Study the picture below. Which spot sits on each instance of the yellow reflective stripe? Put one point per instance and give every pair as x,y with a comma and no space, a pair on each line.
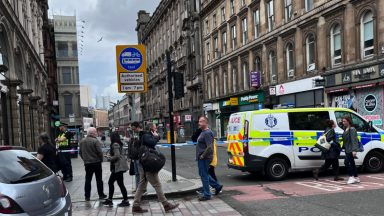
260,142
260,134
382,137
304,138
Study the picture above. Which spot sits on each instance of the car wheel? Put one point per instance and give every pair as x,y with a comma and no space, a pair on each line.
374,162
276,169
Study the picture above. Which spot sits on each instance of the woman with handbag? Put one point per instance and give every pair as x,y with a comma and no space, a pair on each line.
119,165
351,146
331,156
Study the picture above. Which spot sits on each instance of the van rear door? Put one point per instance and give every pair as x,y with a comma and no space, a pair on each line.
235,138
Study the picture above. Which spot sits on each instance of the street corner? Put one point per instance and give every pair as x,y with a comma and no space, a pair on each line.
303,188
186,206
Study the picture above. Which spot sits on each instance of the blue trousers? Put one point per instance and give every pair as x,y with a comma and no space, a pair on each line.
206,179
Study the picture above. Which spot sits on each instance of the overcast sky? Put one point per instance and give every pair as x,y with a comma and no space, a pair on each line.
112,20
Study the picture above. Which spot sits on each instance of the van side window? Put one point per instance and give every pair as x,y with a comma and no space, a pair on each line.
308,120
358,123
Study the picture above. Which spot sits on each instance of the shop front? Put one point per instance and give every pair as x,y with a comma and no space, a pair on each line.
252,101
300,93
361,90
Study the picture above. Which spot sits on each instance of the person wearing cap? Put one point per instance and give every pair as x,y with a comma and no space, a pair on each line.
63,142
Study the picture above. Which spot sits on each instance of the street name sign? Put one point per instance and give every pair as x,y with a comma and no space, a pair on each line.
131,68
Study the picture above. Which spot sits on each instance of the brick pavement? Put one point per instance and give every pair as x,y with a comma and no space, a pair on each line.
186,208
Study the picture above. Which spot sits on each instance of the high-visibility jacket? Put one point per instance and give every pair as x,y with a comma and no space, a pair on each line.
64,143
214,160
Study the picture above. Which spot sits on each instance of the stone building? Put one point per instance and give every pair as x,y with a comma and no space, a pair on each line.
268,53
173,27
68,70
23,98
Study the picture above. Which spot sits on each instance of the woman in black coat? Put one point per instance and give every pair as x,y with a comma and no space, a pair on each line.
331,157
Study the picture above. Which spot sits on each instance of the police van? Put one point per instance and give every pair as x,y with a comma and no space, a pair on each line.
276,142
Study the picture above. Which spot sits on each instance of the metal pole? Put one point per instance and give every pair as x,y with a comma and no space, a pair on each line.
170,105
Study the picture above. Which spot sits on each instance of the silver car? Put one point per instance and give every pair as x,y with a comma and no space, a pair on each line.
28,187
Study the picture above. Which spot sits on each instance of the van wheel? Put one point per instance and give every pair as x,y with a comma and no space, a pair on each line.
374,162
276,169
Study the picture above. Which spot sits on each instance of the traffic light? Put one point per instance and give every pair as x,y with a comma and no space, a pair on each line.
178,80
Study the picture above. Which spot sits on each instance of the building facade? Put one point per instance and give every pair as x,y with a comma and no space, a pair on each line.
24,101
103,102
173,27
269,53
68,70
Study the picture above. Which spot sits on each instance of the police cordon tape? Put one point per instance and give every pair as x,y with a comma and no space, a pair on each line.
218,142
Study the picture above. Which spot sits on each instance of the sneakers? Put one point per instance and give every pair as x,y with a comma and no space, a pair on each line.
352,180
168,207
108,202
69,179
203,199
102,197
124,203
218,190
357,179
87,199
138,209
199,192
337,178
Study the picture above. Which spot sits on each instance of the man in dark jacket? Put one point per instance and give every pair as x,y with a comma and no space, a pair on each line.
148,139
92,155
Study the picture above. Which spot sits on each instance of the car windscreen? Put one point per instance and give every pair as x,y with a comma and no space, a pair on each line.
19,166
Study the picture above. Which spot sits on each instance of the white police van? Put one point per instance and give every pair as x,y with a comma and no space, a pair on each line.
276,142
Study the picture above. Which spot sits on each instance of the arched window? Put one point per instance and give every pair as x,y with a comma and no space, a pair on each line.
257,63
310,47
367,35
336,44
225,79
245,70
290,60
272,67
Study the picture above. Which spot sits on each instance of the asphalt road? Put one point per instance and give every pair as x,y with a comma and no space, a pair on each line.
254,195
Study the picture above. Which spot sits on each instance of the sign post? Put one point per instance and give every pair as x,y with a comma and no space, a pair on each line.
131,68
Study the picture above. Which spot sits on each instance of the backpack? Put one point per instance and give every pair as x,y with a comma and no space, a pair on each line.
152,160
135,149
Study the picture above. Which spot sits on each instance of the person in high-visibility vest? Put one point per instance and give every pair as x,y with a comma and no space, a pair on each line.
63,142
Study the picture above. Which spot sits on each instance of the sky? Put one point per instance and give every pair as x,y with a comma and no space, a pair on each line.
112,20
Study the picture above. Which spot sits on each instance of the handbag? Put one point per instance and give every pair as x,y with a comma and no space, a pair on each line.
322,143
132,168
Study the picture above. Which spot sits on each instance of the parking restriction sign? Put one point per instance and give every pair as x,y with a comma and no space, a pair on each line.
131,68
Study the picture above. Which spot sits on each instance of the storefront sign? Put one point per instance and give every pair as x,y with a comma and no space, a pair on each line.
255,79
272,90
347,78
207,107
364,73
297,86
225,103
188,118
375,119
253,98
370,103
343,101
234,101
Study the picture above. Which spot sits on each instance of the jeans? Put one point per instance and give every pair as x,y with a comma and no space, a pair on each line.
206,179
350,164
137,173
212,173
66,164
90,169
331,162
119,177
153,179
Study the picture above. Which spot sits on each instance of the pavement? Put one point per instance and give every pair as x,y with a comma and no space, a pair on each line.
76,187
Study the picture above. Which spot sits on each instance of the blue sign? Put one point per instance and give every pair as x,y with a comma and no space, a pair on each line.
131,59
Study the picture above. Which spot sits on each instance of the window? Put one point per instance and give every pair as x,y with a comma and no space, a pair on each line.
20,167
67,75
310,52
289,59
242,2
256,22
224,42
232,5
209,87
208,52
68,105
367,35
272,67
360,124
271,17
62,49
336,44
215,47
305,120
245,75
234,77
288,10
222,14
214,20
244,28
225,75
206,27
217,85
308,5
257,64
233,37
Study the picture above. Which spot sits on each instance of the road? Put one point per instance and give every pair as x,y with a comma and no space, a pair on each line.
299,194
